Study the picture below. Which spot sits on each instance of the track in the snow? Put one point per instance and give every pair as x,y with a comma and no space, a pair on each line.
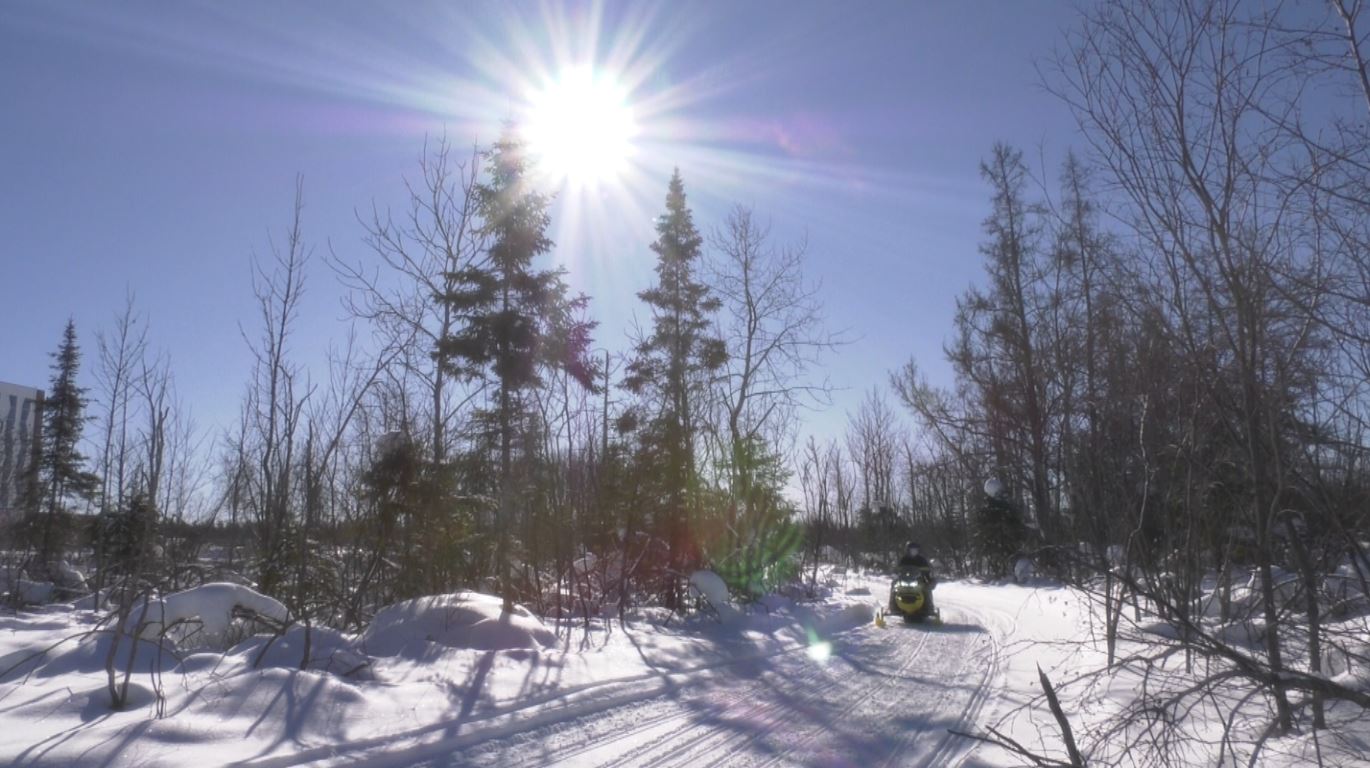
885,697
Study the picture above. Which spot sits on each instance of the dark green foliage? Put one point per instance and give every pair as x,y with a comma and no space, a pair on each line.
126,537
883,533
765,557
760,541
997,534
680,344
515,319
669,369
418,523
61,465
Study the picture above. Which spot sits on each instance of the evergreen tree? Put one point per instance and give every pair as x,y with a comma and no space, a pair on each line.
126,537
418,523
60,466
516,318
755,553
670,368
997,533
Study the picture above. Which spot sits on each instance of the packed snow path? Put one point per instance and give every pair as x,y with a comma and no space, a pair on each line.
883,697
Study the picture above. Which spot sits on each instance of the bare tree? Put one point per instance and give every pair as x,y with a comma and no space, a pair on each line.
772,324
273,409
121,358
420,256
1171,96
874,437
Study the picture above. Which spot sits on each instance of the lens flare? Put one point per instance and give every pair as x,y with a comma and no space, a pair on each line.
581,127
820,651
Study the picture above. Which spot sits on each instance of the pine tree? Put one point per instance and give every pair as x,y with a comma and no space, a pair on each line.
127,536
516,318
60,466
670,367
755,553
419,523
997,533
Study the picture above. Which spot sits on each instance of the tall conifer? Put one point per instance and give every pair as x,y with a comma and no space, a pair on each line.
670,368
516,318
61,464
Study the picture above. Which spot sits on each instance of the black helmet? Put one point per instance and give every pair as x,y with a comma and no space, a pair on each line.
911,547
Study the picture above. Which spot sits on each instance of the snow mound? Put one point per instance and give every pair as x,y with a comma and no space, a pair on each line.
69,577
1345,661
460,620
852,615
710,587
1345,586
1246,600
212,605
34,592
48,655
329,651
95,601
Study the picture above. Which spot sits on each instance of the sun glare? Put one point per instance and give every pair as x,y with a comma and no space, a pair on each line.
581,127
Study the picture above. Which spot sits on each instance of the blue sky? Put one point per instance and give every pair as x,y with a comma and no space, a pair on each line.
152,147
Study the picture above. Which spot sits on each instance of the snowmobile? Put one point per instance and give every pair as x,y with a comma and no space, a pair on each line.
911,598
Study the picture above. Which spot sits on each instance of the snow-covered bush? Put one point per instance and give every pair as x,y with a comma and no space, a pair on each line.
709,588
62,580
588,586
34,592
69,577
1245,599
1344,589
203,615
460,620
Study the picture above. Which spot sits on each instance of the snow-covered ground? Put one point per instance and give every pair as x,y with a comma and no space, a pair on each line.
450,681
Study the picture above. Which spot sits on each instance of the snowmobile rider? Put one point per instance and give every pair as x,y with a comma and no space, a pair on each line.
914,564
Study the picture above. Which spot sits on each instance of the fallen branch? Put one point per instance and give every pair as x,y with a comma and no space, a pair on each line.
1066,735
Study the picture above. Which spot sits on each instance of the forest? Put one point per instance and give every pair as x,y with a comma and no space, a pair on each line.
1161,388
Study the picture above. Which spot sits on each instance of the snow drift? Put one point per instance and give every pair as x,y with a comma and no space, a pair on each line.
709,587
461,620
213,606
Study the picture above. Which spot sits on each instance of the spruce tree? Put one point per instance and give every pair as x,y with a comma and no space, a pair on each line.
127,536
997,534
61,464
516,318
670,368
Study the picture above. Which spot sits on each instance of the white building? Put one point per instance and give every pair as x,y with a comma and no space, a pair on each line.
20,431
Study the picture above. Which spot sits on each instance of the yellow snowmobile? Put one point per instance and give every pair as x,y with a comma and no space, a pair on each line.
911,598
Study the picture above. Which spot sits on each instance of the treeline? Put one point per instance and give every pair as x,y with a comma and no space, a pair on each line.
470,433
1167,367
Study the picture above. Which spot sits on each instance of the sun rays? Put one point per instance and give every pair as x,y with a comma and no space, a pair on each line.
580,127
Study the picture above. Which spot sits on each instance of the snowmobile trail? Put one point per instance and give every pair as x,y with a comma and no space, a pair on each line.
883,697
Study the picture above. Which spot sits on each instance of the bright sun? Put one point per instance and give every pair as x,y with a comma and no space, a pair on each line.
581,128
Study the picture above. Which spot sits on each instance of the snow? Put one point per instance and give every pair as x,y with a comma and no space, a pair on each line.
212,605
299,647
70,577
35,592
452,680
709,587
463,620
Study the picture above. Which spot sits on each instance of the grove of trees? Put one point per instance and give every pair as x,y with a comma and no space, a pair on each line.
1165,369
